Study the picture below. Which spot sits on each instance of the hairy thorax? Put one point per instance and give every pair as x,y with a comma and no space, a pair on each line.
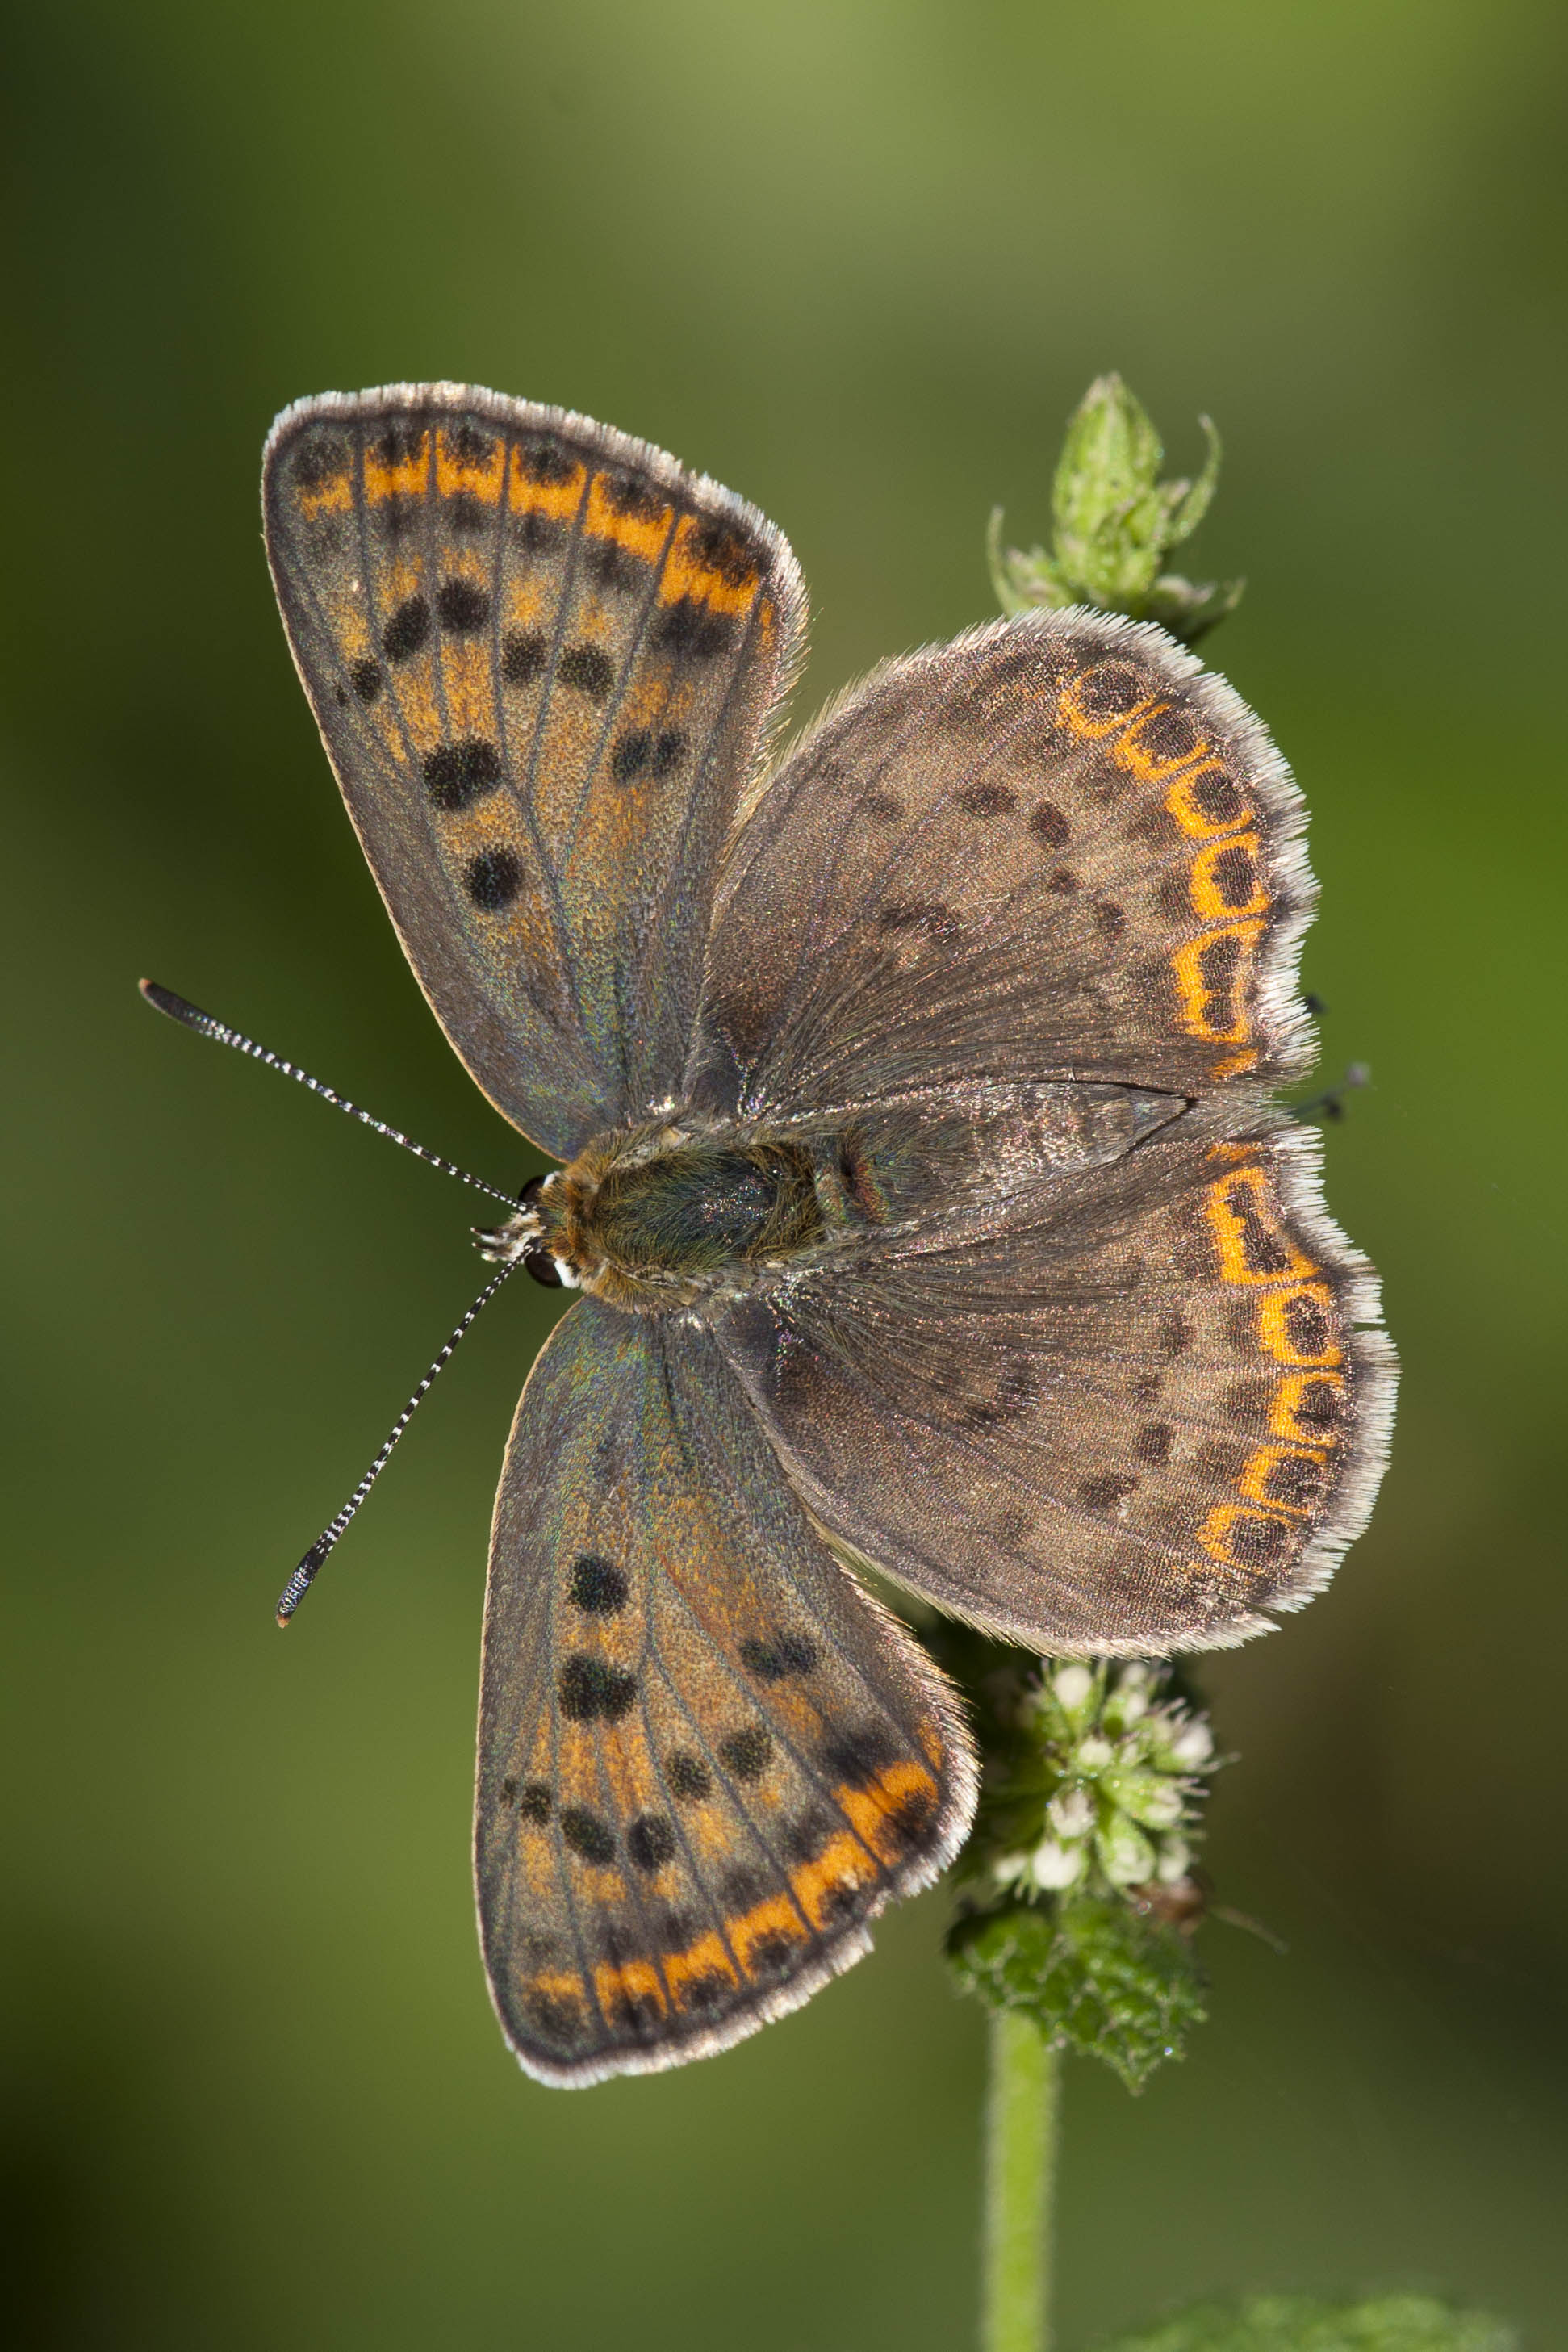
684,1207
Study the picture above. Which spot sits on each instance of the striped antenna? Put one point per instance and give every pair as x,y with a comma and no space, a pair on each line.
190,1016
304,1576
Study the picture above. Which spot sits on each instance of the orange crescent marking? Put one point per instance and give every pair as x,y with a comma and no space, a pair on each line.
634,1979
1284,1414
1206,899
1274,1332
1148,768
842,1859
1180,804
643,535
483,481
1196,994
705,1957
1253,1478
1215,1532
869,1809
526,497
1229,1225
334,496
1076,720
689,572
392,481
776,1916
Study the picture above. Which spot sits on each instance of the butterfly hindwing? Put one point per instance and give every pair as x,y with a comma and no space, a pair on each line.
1054,848
541,655
1135,1411
706,1757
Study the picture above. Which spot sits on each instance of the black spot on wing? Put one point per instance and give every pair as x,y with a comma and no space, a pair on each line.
1173,1335
746,1753
987,799
398,445
771,1662
470,444
589,1688
651,1840
366,677
629,495
466,515
587,1834
1105,1489
407,629
320,459
493,879
462,607
859,1752
522,657
591,671
688,1777
614,568
597,1585
643,752
692,631
457,775
545,462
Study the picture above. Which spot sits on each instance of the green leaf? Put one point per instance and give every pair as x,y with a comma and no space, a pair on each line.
1094,1976
1395,2322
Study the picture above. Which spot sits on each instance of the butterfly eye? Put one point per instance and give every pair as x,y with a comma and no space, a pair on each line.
536,1261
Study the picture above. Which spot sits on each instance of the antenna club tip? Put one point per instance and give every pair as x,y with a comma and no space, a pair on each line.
177,1008
283,1619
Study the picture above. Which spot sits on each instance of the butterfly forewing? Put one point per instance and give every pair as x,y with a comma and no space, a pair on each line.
541,655
705,1757
1054,848
1135,1414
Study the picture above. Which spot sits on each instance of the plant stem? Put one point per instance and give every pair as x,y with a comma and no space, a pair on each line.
1021,2109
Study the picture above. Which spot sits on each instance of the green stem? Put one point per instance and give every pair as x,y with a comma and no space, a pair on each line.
1021,2110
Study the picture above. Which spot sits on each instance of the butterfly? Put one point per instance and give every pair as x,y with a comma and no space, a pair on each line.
920,1176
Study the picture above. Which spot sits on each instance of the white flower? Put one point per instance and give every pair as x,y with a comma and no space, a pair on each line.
1159,1805
1070,1687
1174,1862
1094,1753
1127,1855
1070,1812
1192,1744
1011,1869
1056,1865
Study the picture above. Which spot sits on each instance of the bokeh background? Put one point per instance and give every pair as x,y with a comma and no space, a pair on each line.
858,259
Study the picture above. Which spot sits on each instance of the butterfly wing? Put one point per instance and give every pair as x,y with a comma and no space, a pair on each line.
1054,848
706,1757
541,655
1137,1411
1020,918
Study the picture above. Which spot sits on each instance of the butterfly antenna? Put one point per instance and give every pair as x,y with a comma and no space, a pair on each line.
304,1576
190,1016
1331,1104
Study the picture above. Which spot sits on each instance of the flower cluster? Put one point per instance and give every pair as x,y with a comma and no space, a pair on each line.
1103,1786
1077,1901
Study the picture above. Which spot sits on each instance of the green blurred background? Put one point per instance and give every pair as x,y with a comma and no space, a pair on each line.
858,259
